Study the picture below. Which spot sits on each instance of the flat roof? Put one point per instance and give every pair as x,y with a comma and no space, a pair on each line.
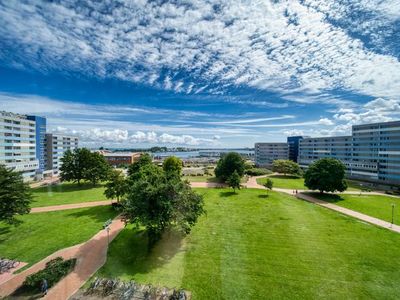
121,154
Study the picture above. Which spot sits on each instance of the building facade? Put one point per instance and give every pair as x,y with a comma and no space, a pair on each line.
56,146
266,153
18,144
119,158
312,149
294,143
376,152
40,136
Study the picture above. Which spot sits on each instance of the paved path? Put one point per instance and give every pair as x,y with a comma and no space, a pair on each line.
70,206
44,182
90,255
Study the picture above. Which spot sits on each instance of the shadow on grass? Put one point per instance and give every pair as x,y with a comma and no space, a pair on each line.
97,213
227,194
66,187
264,196
285,177
129,255
332,198
24,292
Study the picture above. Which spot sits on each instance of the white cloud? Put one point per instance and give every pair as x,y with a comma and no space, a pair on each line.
325,121
293,132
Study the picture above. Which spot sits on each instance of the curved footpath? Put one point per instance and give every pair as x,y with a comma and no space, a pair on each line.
90,256
70,206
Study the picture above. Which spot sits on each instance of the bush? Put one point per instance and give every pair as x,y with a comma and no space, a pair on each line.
54,271
257,171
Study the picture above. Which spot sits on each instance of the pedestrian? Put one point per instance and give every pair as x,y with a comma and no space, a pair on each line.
44,287
296,192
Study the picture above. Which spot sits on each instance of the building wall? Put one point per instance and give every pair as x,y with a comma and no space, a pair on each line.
312,149
56,145
376,152
117,159
294,143
266,153
40,123
18,144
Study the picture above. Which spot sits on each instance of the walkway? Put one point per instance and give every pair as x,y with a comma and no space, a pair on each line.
90,255
70,206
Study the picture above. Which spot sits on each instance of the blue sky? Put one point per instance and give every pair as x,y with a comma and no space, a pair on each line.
200,73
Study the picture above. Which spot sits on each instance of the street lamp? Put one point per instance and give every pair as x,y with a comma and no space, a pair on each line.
106,226
392,214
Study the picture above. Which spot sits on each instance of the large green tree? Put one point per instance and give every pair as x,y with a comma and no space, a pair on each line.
326,175
172,166
228,164
285,166
158,202
15,195
116,186
133,169
96,168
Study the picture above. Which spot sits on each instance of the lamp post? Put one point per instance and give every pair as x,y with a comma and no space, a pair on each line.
106,227
392,214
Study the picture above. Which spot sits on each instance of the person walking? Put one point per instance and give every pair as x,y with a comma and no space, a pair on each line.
44,287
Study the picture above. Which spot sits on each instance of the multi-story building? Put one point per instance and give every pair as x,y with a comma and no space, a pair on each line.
266,153
119,158
376,152
294,142
18,144
312,149
56,146
40,135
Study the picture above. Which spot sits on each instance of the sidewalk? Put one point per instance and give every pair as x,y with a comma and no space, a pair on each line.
70,206
90,255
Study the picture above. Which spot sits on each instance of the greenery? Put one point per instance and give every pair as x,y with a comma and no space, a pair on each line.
66,193
54,271
144,159
41,234
116,186
269,184
15,196
326,175
234,181
159,201
202,178
257,171
172,166
229,163
81,164
246,247
285,166
378,206
285,182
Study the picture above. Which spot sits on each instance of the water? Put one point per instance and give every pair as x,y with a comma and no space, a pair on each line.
196,154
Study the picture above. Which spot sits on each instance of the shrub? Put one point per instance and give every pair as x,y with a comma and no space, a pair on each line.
54,271
257,171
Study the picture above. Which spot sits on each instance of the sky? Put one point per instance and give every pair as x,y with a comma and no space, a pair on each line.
206,74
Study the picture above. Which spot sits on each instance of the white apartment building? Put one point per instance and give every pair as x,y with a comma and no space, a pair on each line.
56,145
266,153
18,144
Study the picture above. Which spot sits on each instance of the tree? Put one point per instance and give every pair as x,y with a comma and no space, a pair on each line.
96,168
285,166
234,181
326,175
116,186
172,166
15,195
144,159
269,184
158,202
228,164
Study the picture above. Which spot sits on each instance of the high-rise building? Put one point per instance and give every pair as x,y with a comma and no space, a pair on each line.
376,152
56,145
40,135
266,153
312,149
18,144
293,142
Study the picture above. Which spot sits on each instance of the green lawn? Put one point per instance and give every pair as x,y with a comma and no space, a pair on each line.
296,183
285,182
378,206
67,193
203,178
41,234
250,246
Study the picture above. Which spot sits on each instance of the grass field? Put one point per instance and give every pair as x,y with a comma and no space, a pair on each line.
293,182
203,178
249,246
67,193
41,234
373,205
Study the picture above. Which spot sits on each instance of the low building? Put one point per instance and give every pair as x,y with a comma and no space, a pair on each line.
266,153
120,158
18,144
56,146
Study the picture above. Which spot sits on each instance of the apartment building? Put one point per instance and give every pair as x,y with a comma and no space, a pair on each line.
312,149
56,146
18,144
266,153
294,143
376,152
120,158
